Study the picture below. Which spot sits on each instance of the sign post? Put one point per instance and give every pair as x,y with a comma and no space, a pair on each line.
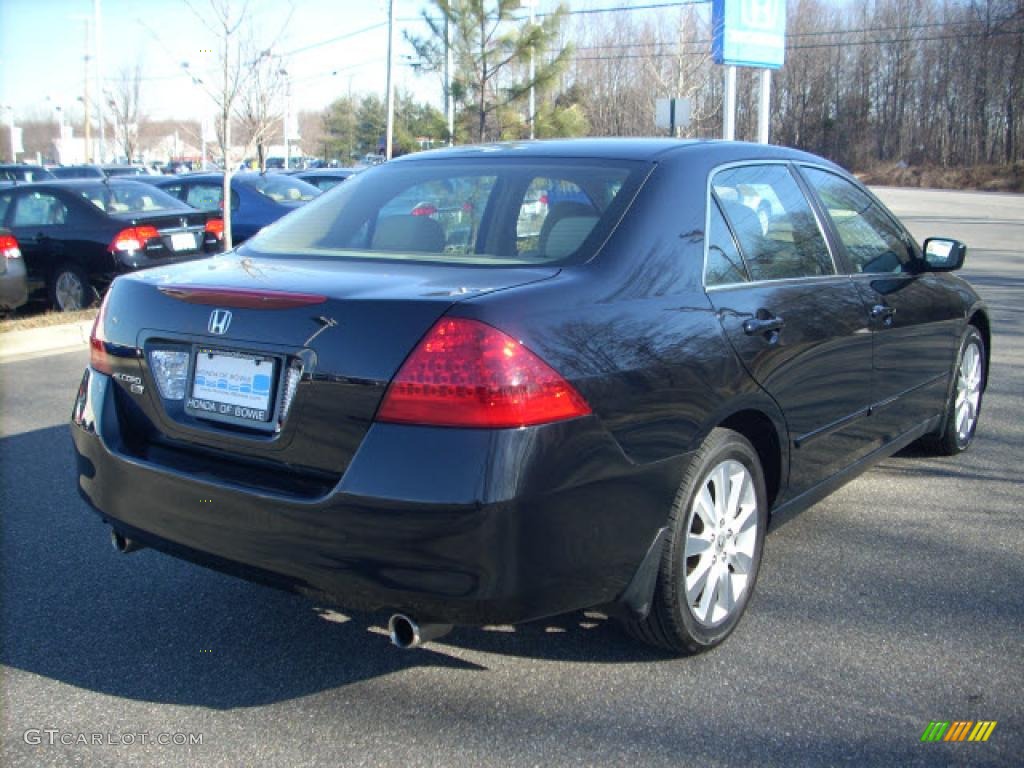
748,33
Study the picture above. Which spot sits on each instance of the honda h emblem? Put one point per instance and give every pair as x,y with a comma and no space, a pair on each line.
220,319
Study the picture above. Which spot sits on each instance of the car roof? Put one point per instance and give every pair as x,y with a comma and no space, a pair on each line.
649,149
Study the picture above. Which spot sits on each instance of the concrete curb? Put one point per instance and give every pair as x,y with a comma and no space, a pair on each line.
39,342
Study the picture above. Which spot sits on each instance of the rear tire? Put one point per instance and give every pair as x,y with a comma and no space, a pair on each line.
70,288
711,560
963,406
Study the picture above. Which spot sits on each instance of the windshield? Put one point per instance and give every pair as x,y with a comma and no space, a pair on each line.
128,198
480,210
282,189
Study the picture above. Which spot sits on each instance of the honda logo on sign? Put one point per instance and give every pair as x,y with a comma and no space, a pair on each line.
220,319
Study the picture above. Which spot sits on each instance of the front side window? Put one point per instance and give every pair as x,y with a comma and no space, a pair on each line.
480,210
872,241
773,222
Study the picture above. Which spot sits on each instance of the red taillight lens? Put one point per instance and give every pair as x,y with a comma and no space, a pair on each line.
215,227
9,247
99,359
465,373
424,210
133,238
543,199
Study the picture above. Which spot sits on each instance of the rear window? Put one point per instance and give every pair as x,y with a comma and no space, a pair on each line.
128,198
283,189
471,211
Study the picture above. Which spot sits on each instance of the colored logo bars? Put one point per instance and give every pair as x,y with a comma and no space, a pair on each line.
958,730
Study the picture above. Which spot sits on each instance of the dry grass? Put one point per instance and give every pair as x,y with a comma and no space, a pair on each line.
45,320
988,178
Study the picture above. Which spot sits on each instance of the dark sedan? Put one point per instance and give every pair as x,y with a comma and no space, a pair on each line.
78,172
257,199
452,416
21,172
76,236
325,178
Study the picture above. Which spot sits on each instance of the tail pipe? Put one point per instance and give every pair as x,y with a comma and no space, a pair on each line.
406,633
122,544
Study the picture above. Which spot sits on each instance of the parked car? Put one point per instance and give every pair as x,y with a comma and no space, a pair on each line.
13,284
324,178
22,172
256,199
78,172
125,170
501,428
76,235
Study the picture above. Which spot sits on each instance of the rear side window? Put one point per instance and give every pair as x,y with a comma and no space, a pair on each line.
773,222
206,197
39,209
478,210
283,189
724,265
873,242
128,197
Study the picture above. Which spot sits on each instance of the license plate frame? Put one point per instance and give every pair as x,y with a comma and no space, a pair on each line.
237,401
183,241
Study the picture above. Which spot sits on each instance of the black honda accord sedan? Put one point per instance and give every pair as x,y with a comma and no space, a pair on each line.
498,383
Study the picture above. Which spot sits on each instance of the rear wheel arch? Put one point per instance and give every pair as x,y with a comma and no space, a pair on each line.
762,432
979,319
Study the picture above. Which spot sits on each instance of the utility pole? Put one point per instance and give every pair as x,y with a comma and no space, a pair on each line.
98,30
729,107
764,108
85,99
287,117
533,74
391,85
449,100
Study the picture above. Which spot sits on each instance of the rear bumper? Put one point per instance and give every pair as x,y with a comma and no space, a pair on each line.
458,526
13,285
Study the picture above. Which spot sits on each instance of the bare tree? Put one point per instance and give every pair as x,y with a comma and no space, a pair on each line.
260,107
124,101
238,59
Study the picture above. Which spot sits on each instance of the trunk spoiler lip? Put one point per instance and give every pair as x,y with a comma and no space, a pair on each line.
241,298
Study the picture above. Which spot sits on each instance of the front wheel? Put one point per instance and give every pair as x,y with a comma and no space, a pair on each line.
713,554
960,418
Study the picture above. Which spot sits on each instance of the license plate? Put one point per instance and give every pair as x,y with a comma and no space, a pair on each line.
232,386
183,241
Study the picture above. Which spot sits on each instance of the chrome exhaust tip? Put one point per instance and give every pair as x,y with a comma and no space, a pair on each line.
124,545
407,634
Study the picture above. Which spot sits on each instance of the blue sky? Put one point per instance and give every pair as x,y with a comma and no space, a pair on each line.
42,45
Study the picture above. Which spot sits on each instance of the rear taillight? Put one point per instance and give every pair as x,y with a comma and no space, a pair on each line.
465,373
9,247
424,210
215,227
133,238
99,358
543,200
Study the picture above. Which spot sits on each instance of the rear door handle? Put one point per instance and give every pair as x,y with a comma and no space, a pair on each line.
755,325
883,313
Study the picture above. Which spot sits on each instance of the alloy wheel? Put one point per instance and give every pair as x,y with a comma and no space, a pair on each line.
968,391
720,542
69,291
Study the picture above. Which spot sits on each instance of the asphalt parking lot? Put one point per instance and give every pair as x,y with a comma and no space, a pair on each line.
896,601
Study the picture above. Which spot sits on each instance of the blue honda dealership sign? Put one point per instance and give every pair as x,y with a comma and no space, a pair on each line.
749,33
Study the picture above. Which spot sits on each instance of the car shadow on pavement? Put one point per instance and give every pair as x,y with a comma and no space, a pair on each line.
147,626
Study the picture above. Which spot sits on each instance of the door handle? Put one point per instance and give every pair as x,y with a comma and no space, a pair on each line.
883,313
755,325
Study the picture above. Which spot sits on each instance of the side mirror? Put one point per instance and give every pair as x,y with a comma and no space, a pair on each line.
942,254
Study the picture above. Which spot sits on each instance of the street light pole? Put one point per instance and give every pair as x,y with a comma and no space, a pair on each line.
391,84
98,31
449,100
533,75
287,117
